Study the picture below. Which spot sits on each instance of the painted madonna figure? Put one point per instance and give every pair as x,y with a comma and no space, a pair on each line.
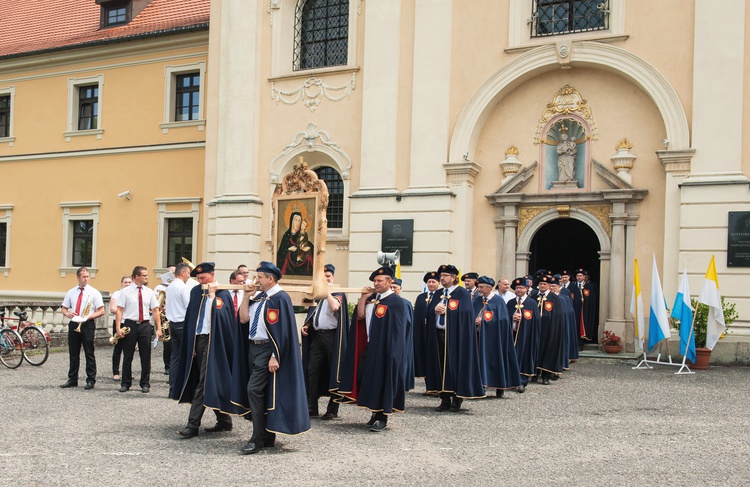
295,254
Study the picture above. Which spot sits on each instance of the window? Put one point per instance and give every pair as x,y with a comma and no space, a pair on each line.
83,242
183,96
115,16
335,211
187,100
178,231
85,107
321,33
179,239
550,17
88,105
115,12
5,224
79,237
3,242
5,116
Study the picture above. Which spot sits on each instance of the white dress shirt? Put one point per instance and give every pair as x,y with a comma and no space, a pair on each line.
129,302
178,297
261,333
91,296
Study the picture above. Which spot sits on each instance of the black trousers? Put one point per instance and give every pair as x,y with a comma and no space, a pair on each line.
196,407
140,333
445,396
175,331
75,341
116,354
258,356
321,356
167,355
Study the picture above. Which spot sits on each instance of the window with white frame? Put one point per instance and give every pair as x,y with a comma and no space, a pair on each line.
335,185
7,102
178,230
85,107
79,239
5,221
184,95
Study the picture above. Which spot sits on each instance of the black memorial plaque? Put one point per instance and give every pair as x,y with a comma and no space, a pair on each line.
738,239
399,235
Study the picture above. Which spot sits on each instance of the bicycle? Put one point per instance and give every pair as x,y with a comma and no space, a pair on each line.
11,346
34,340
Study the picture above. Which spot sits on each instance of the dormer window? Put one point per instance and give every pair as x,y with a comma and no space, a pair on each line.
115,12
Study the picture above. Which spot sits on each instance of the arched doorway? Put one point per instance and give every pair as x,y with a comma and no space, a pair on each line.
565,243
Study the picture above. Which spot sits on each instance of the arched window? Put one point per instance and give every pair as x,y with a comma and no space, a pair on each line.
335,212
321,33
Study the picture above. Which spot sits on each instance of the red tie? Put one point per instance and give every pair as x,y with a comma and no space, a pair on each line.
235,303
140,305
78,303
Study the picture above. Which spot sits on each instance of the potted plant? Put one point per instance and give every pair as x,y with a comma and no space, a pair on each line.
611,342
702,353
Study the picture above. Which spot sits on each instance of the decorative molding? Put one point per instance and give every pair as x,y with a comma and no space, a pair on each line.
676,161
312,91
566,101
612,179
601,213
310,140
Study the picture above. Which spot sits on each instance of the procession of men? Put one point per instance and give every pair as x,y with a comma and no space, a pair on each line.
236,349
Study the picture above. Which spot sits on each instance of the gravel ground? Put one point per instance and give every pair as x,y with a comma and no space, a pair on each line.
602,424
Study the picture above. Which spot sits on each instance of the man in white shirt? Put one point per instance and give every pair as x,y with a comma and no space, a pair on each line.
178,297
237,294
503,290
136,302
82,305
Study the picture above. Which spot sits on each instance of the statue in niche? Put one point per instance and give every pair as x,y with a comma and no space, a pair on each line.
566,157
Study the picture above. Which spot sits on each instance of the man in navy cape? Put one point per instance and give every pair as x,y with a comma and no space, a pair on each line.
324,337
571,328
587,306
452,356
206,357
372,372
396,287
551,341
497,354
424,308
271,384
524,314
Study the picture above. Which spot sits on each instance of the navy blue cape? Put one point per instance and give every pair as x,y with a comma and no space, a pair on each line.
497,354
526,335
330,380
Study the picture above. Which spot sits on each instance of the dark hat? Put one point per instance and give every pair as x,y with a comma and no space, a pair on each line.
329,268
565,272
528,277
541,272
201,268
582,271
397,281
554,280
383,271
486,280
448,269
431,275
544,278
470,275
519,281
269,268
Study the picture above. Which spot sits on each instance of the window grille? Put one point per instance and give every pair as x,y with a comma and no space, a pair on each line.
321,33
335,211
552,17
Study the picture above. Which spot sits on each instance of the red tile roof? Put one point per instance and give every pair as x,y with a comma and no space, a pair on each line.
28,26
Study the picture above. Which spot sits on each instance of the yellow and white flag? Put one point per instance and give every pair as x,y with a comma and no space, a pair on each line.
710,297
636,308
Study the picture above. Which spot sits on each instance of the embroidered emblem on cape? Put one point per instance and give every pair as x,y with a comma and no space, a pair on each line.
380,310
272,316
488,315
586,292
453,304
527,314
548,305
219,303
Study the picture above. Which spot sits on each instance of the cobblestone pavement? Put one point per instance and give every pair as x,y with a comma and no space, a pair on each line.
602,424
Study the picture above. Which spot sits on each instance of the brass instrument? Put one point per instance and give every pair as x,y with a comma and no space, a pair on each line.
114,339
189,264
162,299
84,313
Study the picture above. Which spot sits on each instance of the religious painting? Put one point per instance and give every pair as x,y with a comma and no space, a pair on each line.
295,238
565,147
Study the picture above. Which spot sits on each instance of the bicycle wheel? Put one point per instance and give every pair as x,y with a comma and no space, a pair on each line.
11,348
35,345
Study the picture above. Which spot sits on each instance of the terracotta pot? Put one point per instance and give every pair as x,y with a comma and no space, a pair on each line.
612,348
702,356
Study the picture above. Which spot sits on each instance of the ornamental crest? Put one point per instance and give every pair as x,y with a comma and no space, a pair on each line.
566,101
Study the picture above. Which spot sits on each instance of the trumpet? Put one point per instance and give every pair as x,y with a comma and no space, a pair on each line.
85,313
165,335
114,339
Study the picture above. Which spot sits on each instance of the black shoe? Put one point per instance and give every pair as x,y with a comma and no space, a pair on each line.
89,385
70,383
220,426
188,432
553,377
124,388
521,389
545,381
329,415
145,389
444,406
456,406
378,426
251,447
373,418
499,393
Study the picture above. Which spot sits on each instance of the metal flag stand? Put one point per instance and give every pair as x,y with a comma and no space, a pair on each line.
684,369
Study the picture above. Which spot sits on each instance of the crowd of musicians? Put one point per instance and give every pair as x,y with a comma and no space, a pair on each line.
237,351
